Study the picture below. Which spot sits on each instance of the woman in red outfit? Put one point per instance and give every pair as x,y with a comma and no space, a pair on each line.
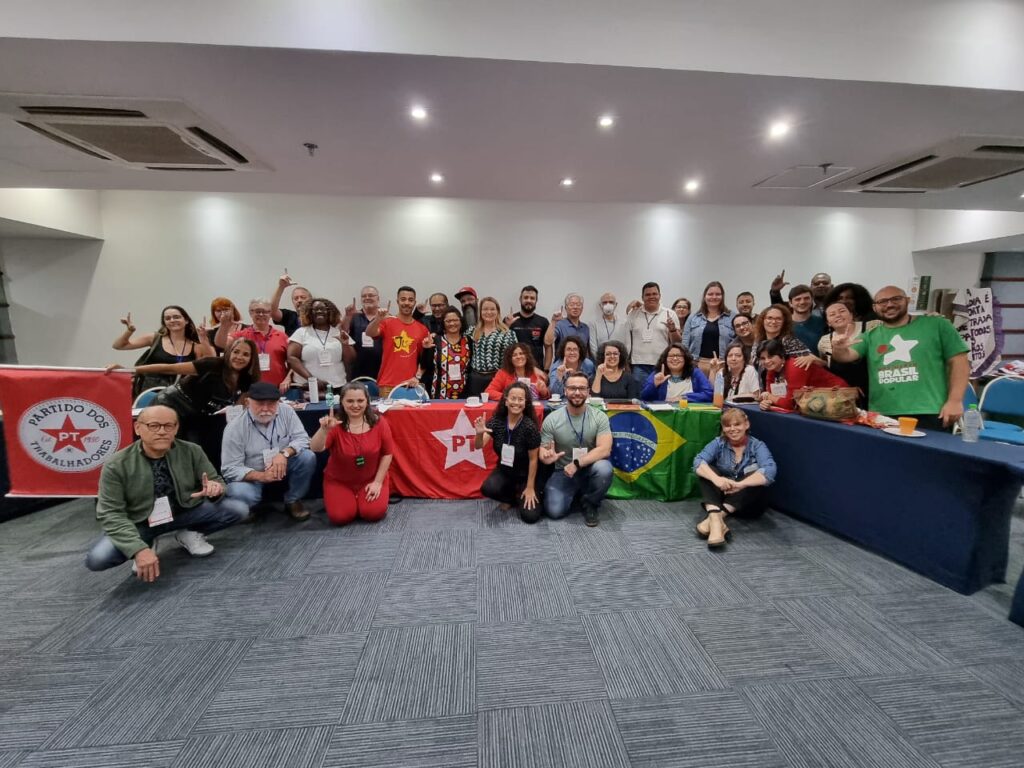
360,446
784,377
519,365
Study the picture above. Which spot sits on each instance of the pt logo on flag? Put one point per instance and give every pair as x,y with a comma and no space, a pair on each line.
460,443
67,434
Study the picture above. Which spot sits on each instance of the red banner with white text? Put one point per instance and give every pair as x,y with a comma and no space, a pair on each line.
61,425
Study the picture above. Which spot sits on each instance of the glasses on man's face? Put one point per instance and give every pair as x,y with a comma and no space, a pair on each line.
742,324
890,300
259,311
576,389
156,426
438,306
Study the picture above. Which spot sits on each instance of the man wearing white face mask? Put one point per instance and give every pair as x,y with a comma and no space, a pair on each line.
608,326
649,328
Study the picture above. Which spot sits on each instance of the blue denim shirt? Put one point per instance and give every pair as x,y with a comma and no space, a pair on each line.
694,330
719,456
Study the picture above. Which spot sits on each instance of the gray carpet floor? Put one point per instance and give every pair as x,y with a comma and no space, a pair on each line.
453,635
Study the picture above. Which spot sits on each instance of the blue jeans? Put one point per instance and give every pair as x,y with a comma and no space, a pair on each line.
641,373
208,517
296,482
590,482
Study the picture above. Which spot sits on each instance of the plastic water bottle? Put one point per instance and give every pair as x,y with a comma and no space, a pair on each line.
971,425
329,398
719,397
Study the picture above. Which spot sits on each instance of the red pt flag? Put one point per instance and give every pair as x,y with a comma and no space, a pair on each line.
61,425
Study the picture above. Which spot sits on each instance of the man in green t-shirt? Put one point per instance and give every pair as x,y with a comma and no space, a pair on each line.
917,366
578,441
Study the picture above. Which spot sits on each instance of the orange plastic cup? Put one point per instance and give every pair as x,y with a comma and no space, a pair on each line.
907,425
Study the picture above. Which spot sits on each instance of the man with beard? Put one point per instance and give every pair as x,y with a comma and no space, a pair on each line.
528,326
821,284
917,366
355,323
403,341
267,444
433,317
466,296
577,440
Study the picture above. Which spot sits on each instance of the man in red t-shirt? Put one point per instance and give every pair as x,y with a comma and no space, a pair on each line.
402,342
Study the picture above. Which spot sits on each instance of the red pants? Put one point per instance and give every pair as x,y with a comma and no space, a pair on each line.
344,503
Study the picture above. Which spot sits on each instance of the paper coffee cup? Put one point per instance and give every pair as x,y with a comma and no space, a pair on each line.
484,397
555,397
473,401
907,425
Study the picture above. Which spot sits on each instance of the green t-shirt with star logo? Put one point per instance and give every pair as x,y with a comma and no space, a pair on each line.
907,365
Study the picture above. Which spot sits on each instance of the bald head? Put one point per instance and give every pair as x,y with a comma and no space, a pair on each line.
156,427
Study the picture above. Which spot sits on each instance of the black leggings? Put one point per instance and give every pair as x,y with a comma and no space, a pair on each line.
749,501
507,488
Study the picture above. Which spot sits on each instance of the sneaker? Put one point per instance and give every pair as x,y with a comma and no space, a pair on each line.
194,543
590,515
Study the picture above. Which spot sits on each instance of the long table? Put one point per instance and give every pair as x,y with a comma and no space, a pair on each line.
435,458
938,505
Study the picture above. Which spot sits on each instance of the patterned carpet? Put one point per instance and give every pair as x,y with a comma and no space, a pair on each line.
453,635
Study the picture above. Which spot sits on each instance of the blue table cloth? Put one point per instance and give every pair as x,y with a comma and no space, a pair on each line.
937,505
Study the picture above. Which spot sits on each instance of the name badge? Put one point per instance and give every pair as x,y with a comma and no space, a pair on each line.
508,455
161,514
367,340
750,469
324,356
579,453
778,388
268,457
647,336
454,372
264,361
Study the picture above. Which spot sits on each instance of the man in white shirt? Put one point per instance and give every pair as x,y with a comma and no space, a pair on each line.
606,328
649,329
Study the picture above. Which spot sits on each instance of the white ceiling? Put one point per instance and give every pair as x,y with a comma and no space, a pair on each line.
503,129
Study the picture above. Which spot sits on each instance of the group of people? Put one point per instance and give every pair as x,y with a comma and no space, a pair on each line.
823,336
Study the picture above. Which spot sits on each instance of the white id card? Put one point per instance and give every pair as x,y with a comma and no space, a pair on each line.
647,336
268,457
264,361
454,372
161,514
324,356
778,389
367,340
508,455
579,453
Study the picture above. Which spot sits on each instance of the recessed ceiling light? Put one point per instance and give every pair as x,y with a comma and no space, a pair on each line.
567,181
437,178
606,121
418,112
778,129
692,185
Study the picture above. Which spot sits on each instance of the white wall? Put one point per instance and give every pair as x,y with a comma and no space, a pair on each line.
958,230
950,269
163,248
76,211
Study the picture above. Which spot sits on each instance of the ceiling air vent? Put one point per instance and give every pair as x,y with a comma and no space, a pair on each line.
956,164
141,134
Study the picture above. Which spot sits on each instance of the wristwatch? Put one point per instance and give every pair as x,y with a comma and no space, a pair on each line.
577,463
284,452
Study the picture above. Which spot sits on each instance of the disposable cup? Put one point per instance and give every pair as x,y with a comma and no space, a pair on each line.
484,397
907,425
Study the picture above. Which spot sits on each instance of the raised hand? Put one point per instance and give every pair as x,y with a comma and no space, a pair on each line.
387,310
779,282
329,422
481,426
210,490
201,329
428,342
548,455
127,323
633,306
350,310
557,316
670,322
601,370
661,376
285,280
716,364
843,339
423,308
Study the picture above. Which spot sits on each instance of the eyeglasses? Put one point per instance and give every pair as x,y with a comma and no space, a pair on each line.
576,389
438,306
156,426
259,311
741,324
890,300
675,357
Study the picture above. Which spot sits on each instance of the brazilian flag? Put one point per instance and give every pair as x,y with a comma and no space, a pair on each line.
653,451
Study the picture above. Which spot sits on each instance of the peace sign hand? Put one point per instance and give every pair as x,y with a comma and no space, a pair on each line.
779,282
660,377
127,323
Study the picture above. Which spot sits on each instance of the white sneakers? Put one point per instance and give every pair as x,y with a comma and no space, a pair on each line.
194,543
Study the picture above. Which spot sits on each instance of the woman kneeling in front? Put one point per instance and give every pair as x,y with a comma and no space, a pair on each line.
515,436
732,470
360,446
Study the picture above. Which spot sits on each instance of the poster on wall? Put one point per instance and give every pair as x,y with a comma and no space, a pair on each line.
919,292
976,316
